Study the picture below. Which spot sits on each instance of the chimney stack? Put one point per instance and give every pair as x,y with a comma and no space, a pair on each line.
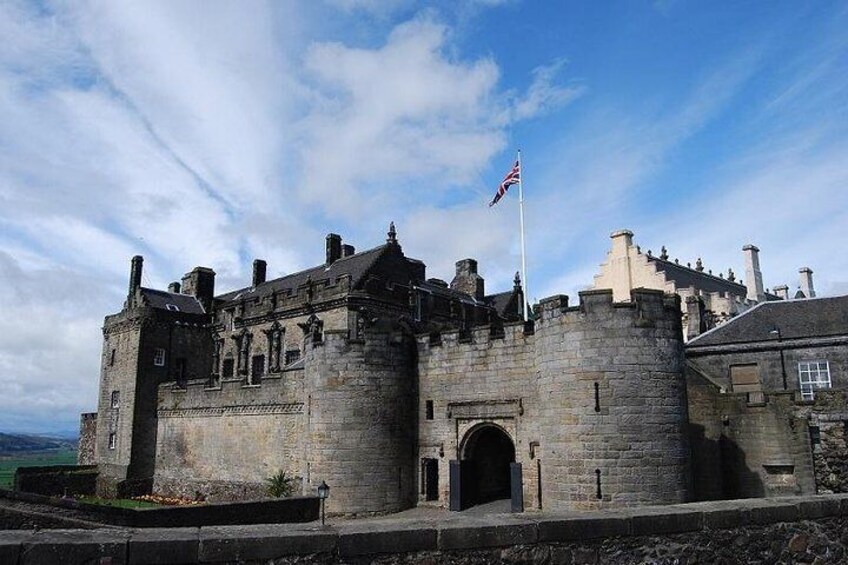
348,250
260,268
807,282
753,274
782,291
467,280
697,319
200,283
174,288
334,248
135,275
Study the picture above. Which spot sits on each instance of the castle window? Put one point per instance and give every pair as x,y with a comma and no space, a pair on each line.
429,409
172,307
228,368
159,357
745,378
112,440
112,358
257,369
292,355
115,400
813,375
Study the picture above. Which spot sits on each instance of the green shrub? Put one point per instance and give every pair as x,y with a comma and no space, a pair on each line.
279,485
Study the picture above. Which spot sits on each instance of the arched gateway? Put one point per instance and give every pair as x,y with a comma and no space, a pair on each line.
487,453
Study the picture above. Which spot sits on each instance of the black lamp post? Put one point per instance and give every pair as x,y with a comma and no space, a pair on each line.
323,493
776,331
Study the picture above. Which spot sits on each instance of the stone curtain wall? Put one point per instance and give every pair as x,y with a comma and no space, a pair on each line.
797,530
224,442
486,379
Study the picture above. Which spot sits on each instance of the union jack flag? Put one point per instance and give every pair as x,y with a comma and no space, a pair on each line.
511,178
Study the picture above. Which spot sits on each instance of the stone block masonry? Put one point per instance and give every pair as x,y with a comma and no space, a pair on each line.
789,530
593,400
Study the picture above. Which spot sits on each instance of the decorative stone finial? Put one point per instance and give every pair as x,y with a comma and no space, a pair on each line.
731,276
710,271
699,265
638,249
689,264
392,233
516,281
676,261
664,253
650,253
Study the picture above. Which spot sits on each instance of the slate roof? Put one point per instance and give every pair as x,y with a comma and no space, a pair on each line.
505,304
160,299
356,266
686,277
813,317
446,292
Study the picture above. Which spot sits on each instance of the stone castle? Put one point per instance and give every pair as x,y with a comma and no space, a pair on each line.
397,389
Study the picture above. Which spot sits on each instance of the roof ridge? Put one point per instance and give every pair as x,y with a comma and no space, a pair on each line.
702,273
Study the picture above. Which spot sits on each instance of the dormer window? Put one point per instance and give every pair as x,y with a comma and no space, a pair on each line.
172,307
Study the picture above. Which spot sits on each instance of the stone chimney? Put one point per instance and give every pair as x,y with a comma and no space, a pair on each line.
260,268
135,276
753,274
467,280
697,319
200,283
348,250
807,282
174,287
782,291
334,248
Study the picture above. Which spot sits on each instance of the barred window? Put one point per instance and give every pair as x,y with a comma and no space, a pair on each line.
813,375
159,357
112,441
116,399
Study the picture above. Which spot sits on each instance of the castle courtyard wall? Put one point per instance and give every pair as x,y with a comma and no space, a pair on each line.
224,442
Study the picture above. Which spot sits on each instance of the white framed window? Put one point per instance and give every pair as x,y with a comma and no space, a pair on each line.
813,375
112,440
159,357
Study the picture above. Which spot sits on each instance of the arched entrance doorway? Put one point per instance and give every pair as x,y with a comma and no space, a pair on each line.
488,450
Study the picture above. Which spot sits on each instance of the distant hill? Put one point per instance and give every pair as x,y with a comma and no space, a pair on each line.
17,444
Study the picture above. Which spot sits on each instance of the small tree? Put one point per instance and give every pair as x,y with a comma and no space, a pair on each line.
279,485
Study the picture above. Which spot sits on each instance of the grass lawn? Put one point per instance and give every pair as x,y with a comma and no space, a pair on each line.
38,459
119,502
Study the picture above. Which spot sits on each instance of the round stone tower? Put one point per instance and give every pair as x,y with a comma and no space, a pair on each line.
361,420
613,409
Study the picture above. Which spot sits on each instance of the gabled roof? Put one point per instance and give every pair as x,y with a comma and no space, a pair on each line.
356,266
506,304
161,300
807,318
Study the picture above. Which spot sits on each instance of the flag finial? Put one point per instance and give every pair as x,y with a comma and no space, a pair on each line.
392,233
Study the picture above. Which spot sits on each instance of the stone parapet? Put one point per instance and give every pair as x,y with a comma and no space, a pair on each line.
797,529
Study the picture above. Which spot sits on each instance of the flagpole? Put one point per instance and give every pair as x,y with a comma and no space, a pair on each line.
521,222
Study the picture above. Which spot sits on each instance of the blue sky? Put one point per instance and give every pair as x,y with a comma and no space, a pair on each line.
212,133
